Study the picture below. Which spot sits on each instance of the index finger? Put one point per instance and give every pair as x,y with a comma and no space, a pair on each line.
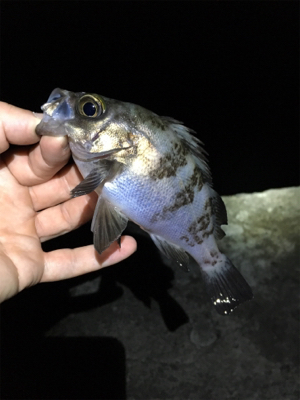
17,126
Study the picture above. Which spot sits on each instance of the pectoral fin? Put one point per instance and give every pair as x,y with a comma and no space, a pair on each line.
108,224
89,184
172,251
104,170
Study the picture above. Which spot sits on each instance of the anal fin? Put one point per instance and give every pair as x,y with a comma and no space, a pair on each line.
107,225
226,287
172,251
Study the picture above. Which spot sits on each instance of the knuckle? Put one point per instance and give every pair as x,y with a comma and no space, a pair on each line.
67,218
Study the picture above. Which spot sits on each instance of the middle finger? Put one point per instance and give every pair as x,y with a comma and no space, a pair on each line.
57,189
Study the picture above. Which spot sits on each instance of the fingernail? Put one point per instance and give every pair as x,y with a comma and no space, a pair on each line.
37,115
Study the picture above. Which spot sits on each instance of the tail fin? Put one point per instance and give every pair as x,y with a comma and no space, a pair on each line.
226,287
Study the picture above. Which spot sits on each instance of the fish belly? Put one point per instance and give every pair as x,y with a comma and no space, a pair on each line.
157,208
185,220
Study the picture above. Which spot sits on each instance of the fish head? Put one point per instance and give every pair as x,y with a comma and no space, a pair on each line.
94,124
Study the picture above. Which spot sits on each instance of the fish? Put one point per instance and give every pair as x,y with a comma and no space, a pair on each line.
151,170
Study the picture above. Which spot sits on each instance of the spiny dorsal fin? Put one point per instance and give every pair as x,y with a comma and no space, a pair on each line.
193,144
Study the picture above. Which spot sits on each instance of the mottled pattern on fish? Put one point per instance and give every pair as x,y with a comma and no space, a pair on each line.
150,170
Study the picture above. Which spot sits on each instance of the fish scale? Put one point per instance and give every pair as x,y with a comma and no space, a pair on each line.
150,170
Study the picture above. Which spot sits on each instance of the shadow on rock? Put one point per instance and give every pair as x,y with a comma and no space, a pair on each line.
64,368
143,273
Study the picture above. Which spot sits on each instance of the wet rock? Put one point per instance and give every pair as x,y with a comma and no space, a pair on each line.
209,356
175,345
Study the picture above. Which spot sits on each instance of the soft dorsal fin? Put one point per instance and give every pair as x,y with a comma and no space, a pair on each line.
172,251
107,225
193,144
219,213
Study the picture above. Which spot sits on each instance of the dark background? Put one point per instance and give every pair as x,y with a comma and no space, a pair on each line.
229,70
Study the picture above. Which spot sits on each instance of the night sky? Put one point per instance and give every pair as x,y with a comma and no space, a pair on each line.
227,70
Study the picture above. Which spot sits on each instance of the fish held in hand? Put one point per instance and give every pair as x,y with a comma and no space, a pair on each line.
150,170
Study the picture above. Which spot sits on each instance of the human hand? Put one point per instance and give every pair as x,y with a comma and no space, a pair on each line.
35,206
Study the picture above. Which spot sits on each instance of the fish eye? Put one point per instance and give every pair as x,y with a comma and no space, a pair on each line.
90,106
89,109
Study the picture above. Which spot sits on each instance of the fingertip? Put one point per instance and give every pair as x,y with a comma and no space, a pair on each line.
130,243
115,254
38,116
68,263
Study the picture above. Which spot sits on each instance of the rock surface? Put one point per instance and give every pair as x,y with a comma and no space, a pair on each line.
142,330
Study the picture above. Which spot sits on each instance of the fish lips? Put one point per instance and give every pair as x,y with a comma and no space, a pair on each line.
50,127
58,109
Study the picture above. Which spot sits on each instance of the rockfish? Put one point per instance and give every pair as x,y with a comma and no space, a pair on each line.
152,171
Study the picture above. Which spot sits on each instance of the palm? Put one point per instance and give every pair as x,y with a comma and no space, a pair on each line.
21,245
29,184
35,206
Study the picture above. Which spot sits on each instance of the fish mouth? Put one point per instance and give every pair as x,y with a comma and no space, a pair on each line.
60,105
58,109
